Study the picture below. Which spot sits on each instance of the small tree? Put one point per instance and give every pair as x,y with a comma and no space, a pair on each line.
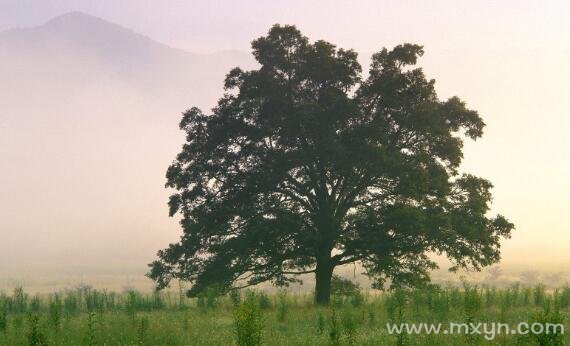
304,166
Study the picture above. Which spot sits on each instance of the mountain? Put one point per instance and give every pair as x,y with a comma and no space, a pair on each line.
88,125
79,48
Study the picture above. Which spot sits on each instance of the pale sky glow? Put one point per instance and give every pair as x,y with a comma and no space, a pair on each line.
509,60
200,26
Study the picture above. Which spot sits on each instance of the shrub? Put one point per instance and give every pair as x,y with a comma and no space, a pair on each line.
36,337
337,300
142,331
565,297
371,316
418,299
71,303
539,294
131,303
95,300
18,322
344,287
212,294
208,299
334,333
552,337
248,322
471,306
3,319
490,296
55,312
515,291
357,300
264,301
35,304
455,297
20,300
201,302
439,304
185,320
395,305
235,297
282,306
471,301
90,337
157,301
349,326
320,322
526,294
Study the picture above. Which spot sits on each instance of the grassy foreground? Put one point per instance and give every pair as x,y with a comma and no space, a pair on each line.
85,316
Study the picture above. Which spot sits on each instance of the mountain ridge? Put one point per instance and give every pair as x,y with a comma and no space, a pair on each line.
68,22
90,50
101,38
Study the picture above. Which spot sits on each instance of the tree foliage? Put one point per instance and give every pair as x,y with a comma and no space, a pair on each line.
305,165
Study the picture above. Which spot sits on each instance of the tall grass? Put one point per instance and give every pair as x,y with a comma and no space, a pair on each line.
248,322
334,332
85,316
90,335
3,318
282,306
36,336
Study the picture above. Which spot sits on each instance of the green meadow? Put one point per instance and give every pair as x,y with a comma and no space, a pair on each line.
86,316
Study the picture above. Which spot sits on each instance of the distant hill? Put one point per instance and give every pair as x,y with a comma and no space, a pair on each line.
79,48
89,115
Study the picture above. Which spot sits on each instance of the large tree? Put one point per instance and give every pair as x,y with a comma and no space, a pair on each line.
304,165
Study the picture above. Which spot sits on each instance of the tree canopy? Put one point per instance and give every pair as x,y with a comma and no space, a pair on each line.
305,164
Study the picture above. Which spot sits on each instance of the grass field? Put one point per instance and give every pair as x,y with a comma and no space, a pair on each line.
85,316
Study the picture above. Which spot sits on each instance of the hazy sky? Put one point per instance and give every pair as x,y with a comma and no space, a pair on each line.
505,26
510,60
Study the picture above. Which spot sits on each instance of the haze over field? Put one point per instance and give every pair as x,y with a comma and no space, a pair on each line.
89,122
89,114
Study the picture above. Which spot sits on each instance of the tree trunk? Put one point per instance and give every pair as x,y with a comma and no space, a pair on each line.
323,276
